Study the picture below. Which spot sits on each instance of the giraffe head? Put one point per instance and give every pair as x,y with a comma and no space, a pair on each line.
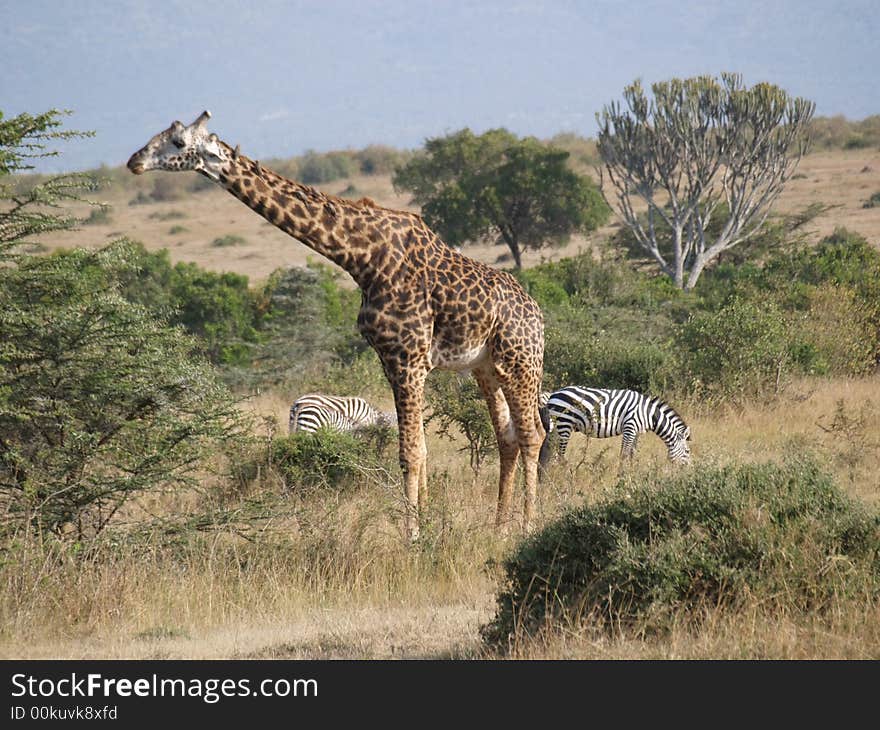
183,148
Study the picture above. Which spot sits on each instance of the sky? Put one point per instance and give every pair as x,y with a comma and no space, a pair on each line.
282,77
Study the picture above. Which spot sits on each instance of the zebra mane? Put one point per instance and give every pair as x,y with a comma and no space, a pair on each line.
667,412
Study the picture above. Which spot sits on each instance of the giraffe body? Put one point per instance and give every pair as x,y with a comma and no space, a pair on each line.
424,305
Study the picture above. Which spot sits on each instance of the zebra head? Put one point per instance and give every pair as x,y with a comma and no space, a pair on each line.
680,447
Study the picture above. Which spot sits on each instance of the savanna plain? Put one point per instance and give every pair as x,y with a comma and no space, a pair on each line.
254,560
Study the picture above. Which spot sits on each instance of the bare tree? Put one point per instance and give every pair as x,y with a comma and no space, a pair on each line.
699,149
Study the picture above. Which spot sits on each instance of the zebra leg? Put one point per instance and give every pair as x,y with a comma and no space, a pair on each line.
564,431
628,447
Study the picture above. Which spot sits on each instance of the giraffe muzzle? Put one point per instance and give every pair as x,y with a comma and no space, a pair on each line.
135,165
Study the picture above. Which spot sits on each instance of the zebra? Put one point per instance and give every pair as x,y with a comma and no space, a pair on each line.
603,412
337,413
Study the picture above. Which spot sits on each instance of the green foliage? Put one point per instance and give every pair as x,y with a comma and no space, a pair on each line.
520,192
837,132
314,168
458,407
743,350
578,353
99,397
167,215
873,201
380,160
230,239
219,308
780,538
309,325
98,216
31,209
329,458
605,323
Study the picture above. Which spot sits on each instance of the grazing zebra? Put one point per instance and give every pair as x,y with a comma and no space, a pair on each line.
602,412
337,413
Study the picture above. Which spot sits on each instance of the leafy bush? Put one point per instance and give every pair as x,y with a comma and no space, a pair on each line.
218,308
167,215
99,397
230,239
838,132
743,350
309,324
834,335
315,168
381,160
458,406
329,458
98,216
873,201
780,537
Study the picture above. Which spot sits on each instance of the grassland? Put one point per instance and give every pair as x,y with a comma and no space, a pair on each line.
331,576
843,180
337,581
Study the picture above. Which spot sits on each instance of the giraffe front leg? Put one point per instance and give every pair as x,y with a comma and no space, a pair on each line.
413,453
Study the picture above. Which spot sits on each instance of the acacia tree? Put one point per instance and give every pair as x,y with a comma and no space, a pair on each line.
99,397
34,209
700,149
518,191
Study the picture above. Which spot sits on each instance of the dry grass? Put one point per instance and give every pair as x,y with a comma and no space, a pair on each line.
337,580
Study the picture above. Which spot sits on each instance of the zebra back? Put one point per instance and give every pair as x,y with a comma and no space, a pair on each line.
339,413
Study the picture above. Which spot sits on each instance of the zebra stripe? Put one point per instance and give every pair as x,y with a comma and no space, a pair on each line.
337,413
603,413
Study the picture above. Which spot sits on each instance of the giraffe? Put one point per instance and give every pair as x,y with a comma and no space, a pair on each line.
423,304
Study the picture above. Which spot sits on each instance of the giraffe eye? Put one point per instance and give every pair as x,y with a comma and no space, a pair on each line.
177,143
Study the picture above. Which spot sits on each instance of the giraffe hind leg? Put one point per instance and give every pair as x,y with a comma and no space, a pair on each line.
505,434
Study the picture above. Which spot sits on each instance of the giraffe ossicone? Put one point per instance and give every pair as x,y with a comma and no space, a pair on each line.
424,305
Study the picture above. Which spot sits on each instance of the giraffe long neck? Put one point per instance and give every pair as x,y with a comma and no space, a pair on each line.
342,231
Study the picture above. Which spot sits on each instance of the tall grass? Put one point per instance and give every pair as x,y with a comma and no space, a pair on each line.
257,568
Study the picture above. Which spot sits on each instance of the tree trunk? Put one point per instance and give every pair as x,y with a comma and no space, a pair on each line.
694,274
513,245
678,275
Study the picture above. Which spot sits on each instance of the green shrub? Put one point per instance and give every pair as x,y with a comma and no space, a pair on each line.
99,397
782,538
873,201
167,215
177,229
219,308
458,407
608,347
229,239
834,335
743,350
315,168
329,458
381,160
98,216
